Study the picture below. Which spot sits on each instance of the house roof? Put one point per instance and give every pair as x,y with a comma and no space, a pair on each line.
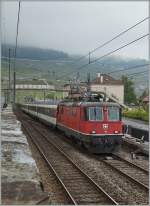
146,99
107,80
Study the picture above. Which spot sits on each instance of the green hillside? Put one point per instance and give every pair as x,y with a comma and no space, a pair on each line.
60,70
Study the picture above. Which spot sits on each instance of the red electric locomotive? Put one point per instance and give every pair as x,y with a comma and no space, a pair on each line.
96,125
91,121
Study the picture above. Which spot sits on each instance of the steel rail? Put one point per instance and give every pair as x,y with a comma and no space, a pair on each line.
76,166
126,175
49,164
112,166
43,199
109,164
132,163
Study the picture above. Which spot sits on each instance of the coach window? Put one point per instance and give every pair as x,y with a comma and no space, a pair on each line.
113,114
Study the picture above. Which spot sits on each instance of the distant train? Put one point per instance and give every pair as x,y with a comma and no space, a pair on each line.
95,125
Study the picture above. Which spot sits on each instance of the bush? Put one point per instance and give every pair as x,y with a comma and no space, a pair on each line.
140,114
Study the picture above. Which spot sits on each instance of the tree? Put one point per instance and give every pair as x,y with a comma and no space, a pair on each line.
50,95
129,93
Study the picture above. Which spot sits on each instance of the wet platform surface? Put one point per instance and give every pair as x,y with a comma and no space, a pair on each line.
141,146
136,123
20,181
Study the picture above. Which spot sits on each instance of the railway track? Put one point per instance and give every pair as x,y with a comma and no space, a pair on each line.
120,157
78,186
132,171
59,142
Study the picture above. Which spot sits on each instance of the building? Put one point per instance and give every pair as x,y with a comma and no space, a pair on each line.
103,83
145,100
109,85
34,85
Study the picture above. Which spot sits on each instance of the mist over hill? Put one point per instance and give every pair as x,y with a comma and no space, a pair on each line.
58,68
34,53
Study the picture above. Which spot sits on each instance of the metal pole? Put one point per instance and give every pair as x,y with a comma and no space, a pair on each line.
88,84
9,89
9,69
16,44
89,57
14,90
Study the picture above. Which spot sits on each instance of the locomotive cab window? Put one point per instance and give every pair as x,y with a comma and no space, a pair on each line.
94,114
113,114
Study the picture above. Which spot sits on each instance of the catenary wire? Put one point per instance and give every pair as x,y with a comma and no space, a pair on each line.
109,53
128,68
115,37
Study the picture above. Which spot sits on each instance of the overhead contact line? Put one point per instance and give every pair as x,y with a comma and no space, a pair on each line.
128,68
115,37
109,53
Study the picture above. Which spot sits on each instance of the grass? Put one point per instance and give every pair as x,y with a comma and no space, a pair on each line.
140,114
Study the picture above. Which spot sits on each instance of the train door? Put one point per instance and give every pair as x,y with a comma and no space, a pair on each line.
59,113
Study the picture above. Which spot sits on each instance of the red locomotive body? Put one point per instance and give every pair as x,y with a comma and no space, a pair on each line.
96,125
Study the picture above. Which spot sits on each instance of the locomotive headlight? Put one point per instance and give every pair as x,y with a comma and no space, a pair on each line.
93,132
116,132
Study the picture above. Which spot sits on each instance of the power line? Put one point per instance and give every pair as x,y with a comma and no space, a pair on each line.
128,68
120,48
136,77
107,42
137,73
115,37
141,81
75,71
83,66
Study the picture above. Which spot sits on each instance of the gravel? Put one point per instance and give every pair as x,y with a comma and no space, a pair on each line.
118,187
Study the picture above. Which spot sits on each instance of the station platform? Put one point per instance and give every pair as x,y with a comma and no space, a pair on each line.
20,180
138,145
136,128
136,123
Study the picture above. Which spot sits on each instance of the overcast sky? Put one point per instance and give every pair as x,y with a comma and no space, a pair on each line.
77,27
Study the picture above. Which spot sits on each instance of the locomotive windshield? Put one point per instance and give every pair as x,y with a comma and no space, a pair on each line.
94,113
113,113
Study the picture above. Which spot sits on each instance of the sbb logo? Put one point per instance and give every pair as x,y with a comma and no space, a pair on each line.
105,126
